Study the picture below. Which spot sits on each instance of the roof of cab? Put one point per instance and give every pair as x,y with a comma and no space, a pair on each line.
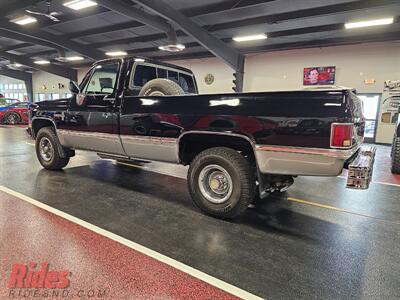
156,62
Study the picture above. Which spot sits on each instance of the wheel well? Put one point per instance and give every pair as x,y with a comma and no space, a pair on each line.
192,144
12,112
38,124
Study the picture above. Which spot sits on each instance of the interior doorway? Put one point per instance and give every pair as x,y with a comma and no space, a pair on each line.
371,109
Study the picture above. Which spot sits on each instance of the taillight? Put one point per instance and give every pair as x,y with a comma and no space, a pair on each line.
341,135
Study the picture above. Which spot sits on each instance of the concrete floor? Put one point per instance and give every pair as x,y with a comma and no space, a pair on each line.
318,240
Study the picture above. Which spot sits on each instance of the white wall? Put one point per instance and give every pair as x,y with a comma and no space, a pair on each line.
42,79
283,70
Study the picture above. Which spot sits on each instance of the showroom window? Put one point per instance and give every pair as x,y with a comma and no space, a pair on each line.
40,97
144,74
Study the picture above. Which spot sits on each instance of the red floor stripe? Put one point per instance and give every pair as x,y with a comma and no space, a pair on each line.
96,263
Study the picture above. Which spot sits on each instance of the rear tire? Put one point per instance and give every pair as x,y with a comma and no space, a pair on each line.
396,156
47,145
221,182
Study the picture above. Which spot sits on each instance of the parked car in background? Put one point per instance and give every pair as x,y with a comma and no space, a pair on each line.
15,113
7,101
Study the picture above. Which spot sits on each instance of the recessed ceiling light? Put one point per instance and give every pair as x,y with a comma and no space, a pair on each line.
369,23
247,38
79,4
24,20
42,62
74,58
116,53
172,47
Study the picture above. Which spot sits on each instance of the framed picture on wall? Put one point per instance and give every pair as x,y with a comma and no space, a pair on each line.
319,75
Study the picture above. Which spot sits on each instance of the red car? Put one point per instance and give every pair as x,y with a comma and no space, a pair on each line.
15,113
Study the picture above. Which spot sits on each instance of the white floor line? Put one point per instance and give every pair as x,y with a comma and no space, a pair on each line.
377,182
158,256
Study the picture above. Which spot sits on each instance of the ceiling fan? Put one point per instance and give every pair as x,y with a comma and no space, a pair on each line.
50,14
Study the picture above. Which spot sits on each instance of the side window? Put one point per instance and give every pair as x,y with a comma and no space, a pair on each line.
161,73
144,74
103,79
172,75
186,82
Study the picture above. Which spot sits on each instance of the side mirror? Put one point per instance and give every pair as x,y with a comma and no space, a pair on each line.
74,87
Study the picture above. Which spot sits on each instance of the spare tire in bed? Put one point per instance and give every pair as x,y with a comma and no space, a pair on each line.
161,87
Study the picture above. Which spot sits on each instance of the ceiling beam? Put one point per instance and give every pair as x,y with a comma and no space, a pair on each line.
139,15
51,68
57,41
15,47
21,75
190,12
26,39
267,19
230,55
316,43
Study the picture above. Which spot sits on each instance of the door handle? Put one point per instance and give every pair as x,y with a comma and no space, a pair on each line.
111,100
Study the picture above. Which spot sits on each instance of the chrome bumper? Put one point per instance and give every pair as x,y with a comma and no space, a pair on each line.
360,170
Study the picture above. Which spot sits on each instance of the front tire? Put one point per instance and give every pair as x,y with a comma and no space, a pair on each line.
12,118
47,145
221,182
396,156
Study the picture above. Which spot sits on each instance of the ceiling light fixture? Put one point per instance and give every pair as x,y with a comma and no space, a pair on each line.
79,4
247,38
369,23
24,20
172,47
42,62
63,58
116,53
16,65
74,58
139,59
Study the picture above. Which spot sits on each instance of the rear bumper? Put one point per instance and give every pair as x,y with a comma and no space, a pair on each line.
302,161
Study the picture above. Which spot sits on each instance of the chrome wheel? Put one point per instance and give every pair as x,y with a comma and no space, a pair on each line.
12,119
215,184
46,149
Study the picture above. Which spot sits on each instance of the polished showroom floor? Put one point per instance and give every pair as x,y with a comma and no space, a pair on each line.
318,240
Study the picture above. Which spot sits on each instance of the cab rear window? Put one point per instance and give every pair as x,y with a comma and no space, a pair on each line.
145,73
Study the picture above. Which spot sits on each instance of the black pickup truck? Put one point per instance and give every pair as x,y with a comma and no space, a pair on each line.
239,146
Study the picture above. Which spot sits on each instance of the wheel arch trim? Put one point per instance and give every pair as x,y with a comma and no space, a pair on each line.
41,118
194,132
